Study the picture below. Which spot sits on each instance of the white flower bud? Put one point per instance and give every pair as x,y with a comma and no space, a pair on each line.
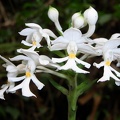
91,16
78,20
53,14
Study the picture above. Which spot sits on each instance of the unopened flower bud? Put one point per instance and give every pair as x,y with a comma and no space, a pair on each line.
91,16
78,20
53,14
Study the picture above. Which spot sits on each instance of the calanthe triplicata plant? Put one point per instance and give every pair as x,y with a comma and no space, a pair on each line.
74,43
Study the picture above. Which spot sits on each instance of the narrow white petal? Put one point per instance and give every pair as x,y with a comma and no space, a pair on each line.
114,77
16,79
32,48
117,83
33,25
26,31
11,85
79,70
99,65
4,88
75,68
105,76
48,40
66,66
87,49
7,61
50,33
87,65
37,82
115,71
19,57
26,43
100,41
16,87
59,60
114,36
31,54
26,89
54,65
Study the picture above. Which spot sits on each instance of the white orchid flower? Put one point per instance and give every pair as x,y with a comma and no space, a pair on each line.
6,88
12,71
35,34
53,14
71,60
29,75
111,52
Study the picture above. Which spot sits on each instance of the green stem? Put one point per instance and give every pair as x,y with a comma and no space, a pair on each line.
72,98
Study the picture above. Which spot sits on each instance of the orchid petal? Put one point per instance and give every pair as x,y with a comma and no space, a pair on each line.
25,89
37,82
59,60
19,57
59,46
116,72
117,83
106,74
11,85
26,43
26,31
99,65
72,34
7,61
4,88
50,33
87,49
60,39
114,36
16,79
87,65
33,25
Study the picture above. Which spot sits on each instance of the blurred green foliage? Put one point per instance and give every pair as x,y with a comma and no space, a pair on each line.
50,104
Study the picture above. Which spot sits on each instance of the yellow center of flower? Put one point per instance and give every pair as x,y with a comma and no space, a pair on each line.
72,55
28,74
107,63
34,42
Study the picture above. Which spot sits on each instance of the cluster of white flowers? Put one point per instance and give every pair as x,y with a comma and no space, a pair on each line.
72,40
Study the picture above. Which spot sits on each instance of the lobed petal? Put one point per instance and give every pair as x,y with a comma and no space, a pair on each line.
39,84
59,60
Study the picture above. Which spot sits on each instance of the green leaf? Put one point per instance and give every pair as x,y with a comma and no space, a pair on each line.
59,87
84,86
